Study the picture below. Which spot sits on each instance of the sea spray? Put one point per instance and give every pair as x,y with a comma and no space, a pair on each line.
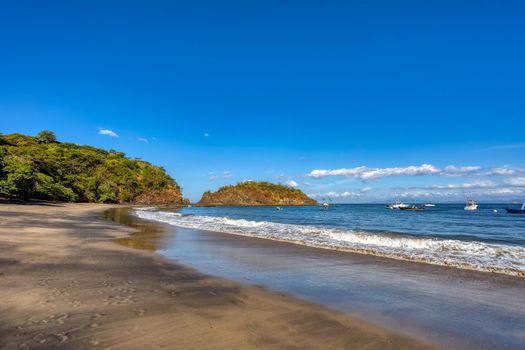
473,255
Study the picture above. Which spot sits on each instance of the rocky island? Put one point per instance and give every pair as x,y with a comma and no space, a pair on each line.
255,193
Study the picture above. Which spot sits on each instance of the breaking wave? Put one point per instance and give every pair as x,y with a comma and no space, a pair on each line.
472,255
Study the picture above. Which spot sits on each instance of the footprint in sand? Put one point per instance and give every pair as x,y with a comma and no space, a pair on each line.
125,290
76,303
43,282
61,336
97,316
140,312
118,300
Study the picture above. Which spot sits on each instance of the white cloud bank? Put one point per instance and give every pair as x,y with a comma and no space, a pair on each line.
345,194
367,173
107,132
465,186
516,181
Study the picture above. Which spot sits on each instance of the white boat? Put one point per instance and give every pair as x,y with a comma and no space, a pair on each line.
471,205
429,205
397,205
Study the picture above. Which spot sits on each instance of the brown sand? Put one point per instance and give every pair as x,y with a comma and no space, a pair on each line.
64,283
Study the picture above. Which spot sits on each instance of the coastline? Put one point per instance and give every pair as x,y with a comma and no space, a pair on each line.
64,282
448,307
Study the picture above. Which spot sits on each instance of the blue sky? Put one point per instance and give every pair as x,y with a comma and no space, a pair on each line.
224,91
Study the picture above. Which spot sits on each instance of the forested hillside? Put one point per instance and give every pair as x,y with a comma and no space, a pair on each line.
40,167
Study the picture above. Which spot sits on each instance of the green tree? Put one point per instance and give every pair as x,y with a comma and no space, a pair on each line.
41,168
47,136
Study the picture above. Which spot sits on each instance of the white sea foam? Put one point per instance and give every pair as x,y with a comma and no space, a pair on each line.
471,255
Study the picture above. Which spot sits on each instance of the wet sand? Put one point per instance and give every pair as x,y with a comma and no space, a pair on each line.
448,307
64,282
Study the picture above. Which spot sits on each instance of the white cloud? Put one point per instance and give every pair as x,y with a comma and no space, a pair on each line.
426,194
279,176
471,185
306,183
292,183
366,173
107,132
501,171
366,189
224,175
460,170
454,195
345,194
504,191
142,139
516,181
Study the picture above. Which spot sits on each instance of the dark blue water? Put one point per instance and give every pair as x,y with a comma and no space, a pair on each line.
447,221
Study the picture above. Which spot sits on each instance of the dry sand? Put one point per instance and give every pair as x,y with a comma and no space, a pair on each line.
65,283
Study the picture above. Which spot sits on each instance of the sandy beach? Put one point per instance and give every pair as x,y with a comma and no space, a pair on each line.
64,282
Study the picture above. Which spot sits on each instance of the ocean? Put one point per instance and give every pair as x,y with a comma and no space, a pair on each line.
443,235
447,276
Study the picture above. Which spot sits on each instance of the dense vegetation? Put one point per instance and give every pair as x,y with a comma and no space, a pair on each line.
256,193
42,168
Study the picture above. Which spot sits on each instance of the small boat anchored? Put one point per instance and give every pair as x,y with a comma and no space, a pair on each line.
397,205
412,208
326,204
516,211
471,205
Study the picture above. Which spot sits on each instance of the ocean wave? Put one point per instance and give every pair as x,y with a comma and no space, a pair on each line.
472,255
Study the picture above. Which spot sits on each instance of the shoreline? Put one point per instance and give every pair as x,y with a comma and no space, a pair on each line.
66,283
358,246
444,306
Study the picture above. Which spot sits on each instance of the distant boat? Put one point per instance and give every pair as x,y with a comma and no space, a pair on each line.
412,208
397,205
471,205
279,208
429,205
516,211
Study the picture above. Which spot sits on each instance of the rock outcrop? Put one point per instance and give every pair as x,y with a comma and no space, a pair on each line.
256,193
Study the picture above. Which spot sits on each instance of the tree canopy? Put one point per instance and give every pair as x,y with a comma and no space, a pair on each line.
46,136
42,168
256,193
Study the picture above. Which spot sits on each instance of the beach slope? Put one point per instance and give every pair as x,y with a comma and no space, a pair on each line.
64,282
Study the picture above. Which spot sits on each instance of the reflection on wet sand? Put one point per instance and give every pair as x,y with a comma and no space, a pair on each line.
148,236
453,308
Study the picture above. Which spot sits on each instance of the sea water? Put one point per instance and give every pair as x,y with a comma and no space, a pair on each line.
443,235
444,275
